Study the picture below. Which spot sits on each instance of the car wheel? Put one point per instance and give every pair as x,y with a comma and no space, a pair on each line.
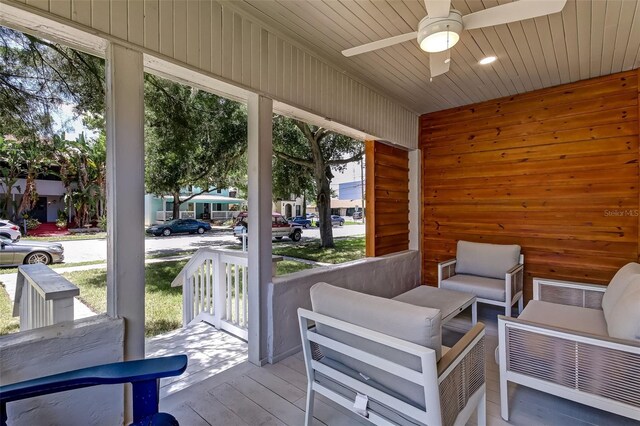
166,232
38,257
296,236
341,223
278,238
307,226
201,230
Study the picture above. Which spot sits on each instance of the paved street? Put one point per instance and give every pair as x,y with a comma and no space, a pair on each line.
90,250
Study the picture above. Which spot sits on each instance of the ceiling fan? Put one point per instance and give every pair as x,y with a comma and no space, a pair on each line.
440,30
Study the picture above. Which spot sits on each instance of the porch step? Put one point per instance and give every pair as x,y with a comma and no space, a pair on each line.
210,351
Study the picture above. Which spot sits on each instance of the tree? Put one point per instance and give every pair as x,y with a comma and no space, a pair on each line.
38,76
318,151
192,138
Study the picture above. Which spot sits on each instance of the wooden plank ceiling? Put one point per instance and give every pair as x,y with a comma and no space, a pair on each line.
588,39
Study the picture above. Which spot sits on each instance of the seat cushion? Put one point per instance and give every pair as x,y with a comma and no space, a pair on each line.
482,287
576,318
623,321
486,260
412,323
617,286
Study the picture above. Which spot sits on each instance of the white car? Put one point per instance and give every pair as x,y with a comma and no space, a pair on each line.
9,230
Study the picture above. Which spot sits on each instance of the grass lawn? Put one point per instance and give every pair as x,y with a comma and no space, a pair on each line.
345,250
55,266
72,237
163,309
8,324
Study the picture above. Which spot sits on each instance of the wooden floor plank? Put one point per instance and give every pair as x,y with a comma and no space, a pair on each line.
185,415
243,407
214,412
275,384
270,401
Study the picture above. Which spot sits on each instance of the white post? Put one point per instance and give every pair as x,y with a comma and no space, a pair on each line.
125,194
260,111
414,199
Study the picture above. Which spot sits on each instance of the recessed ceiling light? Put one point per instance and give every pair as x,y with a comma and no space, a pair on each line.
487,60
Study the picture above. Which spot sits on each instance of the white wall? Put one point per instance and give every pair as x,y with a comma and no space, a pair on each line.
385,276
56,349
214,38
43,187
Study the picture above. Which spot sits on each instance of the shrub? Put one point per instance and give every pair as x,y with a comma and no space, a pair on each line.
61,223
102,223
32,223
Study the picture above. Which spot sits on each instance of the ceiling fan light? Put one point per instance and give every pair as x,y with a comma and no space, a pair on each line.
439,34
439,41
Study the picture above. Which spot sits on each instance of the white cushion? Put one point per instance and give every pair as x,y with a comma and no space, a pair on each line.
486,260
623,321
617,286
484,288
413,323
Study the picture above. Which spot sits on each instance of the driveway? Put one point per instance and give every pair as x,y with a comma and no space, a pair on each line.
92,250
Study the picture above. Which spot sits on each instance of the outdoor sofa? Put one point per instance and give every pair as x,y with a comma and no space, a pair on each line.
384,360
577,341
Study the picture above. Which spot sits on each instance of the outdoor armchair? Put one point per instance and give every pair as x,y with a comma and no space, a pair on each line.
142,374
577,341
493,272
383,360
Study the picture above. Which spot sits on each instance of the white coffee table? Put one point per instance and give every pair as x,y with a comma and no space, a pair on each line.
450,302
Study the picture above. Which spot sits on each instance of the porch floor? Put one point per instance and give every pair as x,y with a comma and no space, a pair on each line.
275,394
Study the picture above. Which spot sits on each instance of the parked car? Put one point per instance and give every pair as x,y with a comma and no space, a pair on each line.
9,230
357,215
14,253
179,226
280,227
335,220
301,220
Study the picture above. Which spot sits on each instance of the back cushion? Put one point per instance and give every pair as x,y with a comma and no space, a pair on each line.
486,260
413,323
617,286
623,321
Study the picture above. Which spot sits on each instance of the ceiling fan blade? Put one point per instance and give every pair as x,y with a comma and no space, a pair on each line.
375,45
511,12
439,62
437,8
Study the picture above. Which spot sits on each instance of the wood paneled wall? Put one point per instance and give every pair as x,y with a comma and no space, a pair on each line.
387,199
554,170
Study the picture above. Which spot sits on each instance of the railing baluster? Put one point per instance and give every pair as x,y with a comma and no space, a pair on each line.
236,294
228,292
207,264
245,308
202,285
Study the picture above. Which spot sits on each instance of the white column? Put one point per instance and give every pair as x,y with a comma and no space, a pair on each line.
414,199
125,194
260,110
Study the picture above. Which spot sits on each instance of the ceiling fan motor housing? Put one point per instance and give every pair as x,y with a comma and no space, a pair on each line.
439,34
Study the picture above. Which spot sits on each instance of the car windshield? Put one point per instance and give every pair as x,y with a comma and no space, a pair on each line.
174,221
5,240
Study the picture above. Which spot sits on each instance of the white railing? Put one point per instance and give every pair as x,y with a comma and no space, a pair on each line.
215,289
168,215
43,297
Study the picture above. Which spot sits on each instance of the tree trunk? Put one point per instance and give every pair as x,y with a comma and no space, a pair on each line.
304,204
29,196
324,210
176,205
